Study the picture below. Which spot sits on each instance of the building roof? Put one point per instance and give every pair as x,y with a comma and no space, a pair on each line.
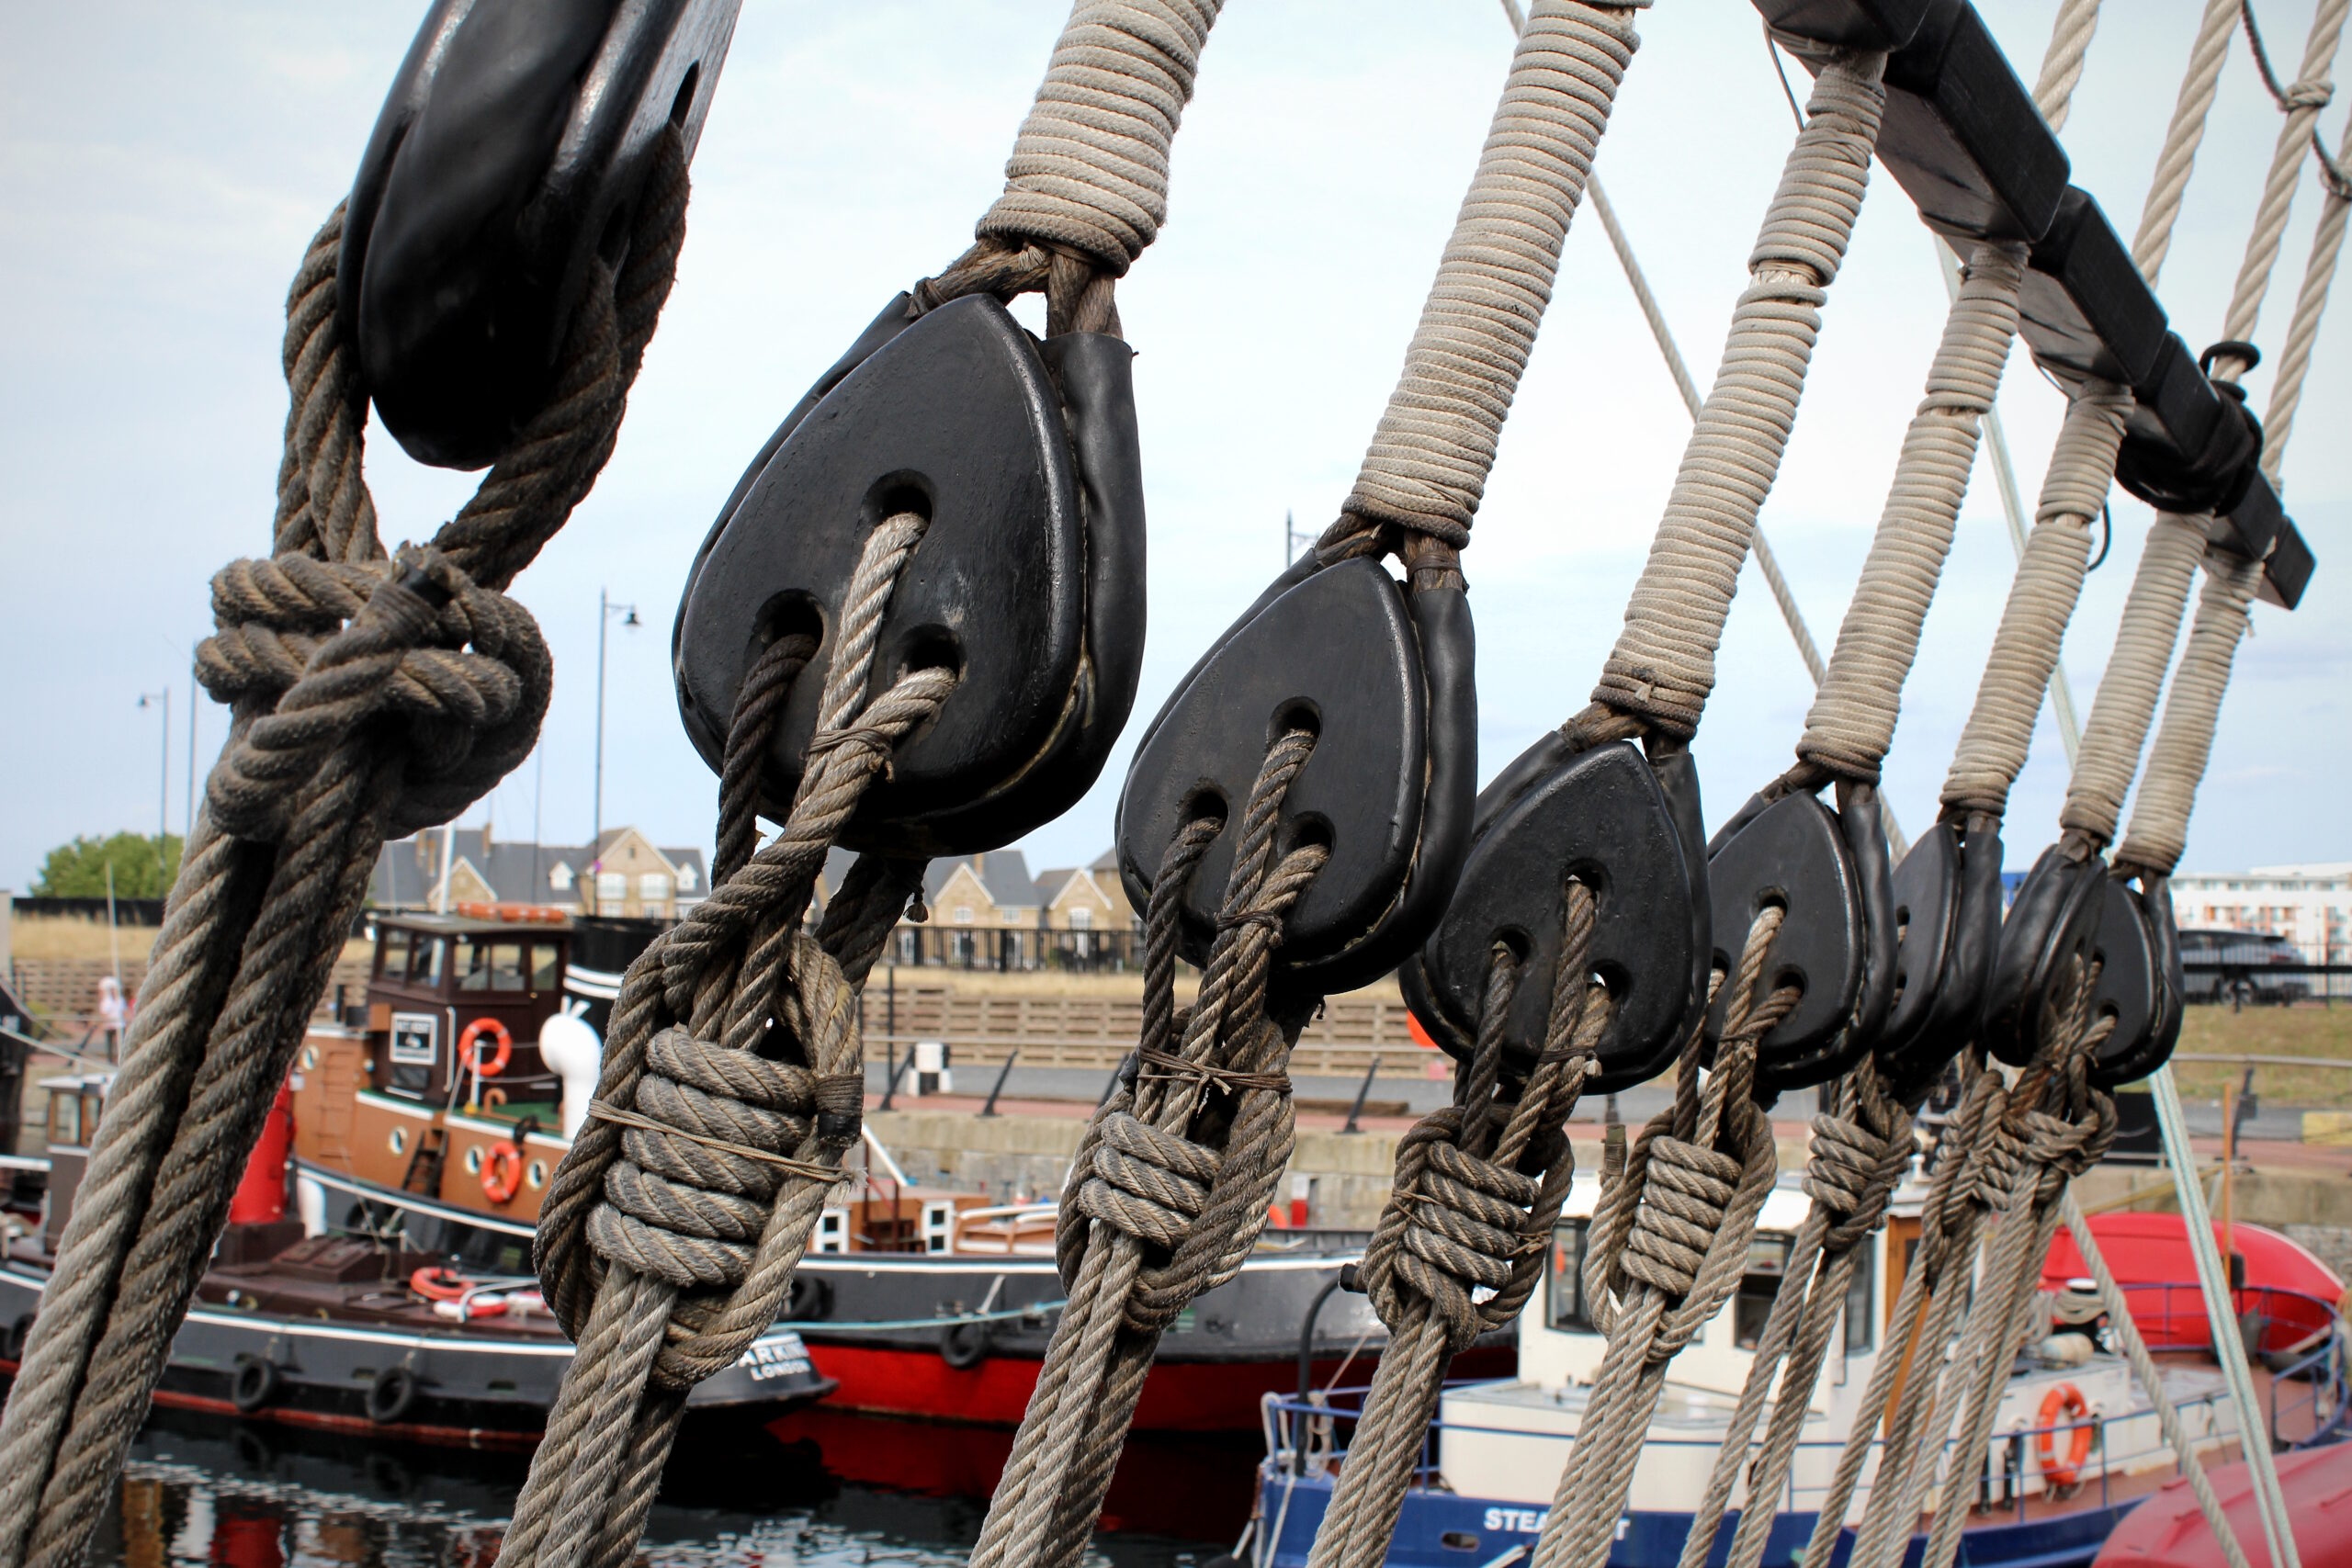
408,870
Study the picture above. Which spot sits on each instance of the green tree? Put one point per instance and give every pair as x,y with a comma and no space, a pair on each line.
144,867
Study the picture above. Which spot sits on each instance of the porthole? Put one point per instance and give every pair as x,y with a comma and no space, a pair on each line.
310,1058
400,1140
474,1160
536,1174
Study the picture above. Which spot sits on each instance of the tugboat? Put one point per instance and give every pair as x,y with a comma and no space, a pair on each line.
2076,1444
433,1118
396,1331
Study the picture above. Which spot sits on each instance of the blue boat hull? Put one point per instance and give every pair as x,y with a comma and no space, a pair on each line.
1443,1530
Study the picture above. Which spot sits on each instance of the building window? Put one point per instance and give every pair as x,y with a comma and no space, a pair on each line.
1081,918
962,914
612,886
653,888
687,877
559,877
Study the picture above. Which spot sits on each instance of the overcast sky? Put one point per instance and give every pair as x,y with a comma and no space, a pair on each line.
162,164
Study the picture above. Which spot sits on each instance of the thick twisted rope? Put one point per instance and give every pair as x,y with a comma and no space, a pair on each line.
1862,1147
2176,160
2134,678
1669,1243
1466,1212
1662,666
1178,1164
1428,462
672,1228
2311,303
1853,716
2176,762
1086,189
372,698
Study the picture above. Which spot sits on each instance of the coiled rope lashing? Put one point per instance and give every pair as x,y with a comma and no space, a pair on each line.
371,697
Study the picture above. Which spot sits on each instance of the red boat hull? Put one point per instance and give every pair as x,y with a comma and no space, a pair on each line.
1178,1396
2282,1282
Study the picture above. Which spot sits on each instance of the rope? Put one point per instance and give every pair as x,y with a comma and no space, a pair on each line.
1430,455
2184,744
671,1229
1167,1163
2135,676
1862,1147
2126,1333
1668,1245
1662,666
1086,189
2062,62
371,697
2300,105
2178,158
1853,716
1466,1212
2302,331
2040,606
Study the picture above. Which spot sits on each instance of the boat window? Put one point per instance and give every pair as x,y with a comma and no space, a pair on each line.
66,1118
546,957
427,969
1768,1261
1861,1323
393,963
1565,1294
484,965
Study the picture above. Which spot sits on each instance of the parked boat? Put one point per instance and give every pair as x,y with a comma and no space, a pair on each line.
2077,1443
2286,1300
2169,1529
433,1119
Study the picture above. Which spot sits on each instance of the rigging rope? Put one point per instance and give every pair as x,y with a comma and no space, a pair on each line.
1190,1171
359,716
673,1226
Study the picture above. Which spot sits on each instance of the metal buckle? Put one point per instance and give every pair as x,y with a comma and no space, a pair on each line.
1384,678
1029,579
506,161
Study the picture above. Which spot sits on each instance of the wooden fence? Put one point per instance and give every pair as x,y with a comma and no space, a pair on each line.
1097,1032
64,991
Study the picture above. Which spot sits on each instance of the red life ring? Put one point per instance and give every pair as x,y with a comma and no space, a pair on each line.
469,1053
439,1284
2063,1403
501,1171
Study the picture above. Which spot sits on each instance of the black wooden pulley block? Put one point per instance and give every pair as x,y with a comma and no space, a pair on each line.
1383,680
507,160
2140,981
1029,579
2050,923
1948,905
1600,818
1828,870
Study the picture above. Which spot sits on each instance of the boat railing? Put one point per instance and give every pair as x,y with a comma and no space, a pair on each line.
2322,1412
2175,1318
1305,1436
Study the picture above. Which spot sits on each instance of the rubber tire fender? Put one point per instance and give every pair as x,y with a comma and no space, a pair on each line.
391,1395
964,1345
808,1299
255,1384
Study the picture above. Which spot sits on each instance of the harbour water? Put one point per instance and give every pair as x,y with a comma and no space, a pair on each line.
213,1492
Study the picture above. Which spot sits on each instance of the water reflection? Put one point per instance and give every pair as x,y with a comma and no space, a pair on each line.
828,1492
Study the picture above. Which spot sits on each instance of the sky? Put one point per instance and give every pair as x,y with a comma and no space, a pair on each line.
163,165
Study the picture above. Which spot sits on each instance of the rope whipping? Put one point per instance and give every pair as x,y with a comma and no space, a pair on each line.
1170,1187
731,1088
2119,724
370,697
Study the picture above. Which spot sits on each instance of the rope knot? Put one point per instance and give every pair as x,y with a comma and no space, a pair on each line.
702,1154
1150,1184
450,676
1684,1196
1458,1224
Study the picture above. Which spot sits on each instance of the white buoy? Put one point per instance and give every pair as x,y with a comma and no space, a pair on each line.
572,1050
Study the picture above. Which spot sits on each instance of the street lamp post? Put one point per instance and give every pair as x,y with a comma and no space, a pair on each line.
162,699
605,611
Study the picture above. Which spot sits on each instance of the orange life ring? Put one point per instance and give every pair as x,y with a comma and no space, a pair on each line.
2063,1403
437,1284
501,1171
470,1056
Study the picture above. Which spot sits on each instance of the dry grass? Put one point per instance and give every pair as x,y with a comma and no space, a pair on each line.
74,936
2309,1030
